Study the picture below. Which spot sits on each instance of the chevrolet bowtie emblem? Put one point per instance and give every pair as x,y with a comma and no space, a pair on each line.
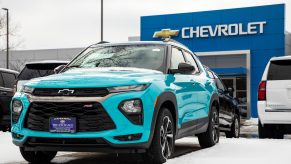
66,92
166,33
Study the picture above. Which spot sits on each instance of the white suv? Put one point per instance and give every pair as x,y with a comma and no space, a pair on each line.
274,99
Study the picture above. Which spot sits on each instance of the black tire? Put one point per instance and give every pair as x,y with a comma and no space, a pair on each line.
160,150
264,132
38,156
211,136
235,128
269,131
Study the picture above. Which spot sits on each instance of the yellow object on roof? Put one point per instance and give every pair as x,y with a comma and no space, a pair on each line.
166,33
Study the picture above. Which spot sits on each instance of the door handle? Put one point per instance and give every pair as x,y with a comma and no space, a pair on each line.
4,93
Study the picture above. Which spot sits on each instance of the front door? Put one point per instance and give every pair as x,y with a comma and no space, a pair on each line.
239,84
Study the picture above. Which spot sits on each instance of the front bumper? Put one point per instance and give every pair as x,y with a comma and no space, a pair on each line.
124,126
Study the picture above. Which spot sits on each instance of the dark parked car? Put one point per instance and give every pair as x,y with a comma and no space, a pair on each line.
229,116
7,79
37,69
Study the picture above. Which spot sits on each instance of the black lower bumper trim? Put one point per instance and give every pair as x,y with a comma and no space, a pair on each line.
84,149
80,145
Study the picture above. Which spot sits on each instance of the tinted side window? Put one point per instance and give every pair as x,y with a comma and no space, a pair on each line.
1,81
280,70
191,60
9,79
177,57
31,71
220,84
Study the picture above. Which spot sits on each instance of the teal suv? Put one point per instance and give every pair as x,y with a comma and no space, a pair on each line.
136,97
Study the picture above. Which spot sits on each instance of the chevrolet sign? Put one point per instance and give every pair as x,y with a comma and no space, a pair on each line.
250,28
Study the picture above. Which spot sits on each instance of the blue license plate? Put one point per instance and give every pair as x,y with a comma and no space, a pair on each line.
62,125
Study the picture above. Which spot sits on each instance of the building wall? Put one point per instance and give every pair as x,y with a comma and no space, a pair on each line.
19,57
288,43
262,46
224,61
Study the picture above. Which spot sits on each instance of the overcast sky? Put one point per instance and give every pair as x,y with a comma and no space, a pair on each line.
46,24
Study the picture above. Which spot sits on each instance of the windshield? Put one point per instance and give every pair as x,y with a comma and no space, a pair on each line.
138,56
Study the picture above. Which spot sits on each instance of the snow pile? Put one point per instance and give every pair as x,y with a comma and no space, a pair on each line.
238,151
8,152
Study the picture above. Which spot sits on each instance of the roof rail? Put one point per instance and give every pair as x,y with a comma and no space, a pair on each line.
174,41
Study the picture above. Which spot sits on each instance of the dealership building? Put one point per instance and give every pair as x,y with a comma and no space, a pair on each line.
235,43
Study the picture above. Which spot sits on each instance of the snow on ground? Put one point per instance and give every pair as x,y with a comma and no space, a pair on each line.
247,150
8,152
237,151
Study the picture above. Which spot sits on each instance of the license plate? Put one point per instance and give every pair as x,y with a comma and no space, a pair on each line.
62,125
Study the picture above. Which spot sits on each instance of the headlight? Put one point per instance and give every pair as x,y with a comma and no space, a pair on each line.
26,89
17,106
128,88
131,106
16,110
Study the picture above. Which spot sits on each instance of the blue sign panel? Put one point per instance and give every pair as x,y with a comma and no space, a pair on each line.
258,29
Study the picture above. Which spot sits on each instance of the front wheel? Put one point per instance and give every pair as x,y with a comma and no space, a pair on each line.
38,156
211,136
163,142
235,128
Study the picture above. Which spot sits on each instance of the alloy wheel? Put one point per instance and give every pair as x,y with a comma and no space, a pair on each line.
236,126
166,141
215,127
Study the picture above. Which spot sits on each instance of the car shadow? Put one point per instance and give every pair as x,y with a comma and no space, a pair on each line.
92,158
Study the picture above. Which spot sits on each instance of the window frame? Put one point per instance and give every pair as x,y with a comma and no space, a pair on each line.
170,57
218,79
198,71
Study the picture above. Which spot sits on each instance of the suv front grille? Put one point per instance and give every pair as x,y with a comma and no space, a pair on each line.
91,117
83,92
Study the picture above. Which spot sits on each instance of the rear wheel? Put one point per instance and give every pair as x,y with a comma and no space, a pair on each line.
38,156
235,128
270,131
163,142
211,136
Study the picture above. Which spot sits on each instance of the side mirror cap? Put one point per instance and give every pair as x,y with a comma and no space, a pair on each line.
59,68
230,90
184,68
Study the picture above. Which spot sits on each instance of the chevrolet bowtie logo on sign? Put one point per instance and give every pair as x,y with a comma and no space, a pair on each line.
166,33
66,92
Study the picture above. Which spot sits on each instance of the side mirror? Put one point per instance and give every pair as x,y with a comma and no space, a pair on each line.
59,68
184,68
230,90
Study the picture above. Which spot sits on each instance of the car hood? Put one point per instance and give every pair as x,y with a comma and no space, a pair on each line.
97,77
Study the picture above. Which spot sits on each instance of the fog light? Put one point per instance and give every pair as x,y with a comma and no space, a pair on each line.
132,110
17,136
130,137
131,106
